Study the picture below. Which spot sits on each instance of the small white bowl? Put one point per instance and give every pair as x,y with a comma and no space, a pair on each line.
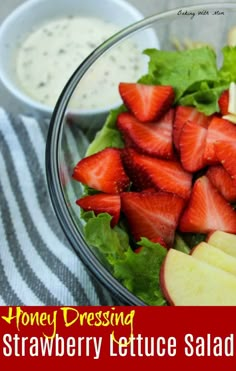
33,13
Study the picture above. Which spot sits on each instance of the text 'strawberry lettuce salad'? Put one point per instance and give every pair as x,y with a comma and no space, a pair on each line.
160,176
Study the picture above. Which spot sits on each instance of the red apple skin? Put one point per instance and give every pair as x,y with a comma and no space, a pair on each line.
209,235
193,249
162,283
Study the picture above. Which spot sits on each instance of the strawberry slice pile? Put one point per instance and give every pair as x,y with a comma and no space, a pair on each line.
176,172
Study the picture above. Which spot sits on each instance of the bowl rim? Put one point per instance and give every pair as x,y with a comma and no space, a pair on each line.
54,135
134,13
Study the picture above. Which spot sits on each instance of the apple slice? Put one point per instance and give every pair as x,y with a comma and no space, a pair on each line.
232,98
223,241
231,116
186,281
216,257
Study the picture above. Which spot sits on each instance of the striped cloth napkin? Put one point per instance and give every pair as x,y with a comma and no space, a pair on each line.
37,265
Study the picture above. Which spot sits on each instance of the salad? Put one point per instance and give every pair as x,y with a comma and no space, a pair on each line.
161,173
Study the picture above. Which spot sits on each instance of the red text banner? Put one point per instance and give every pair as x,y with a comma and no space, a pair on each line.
119,337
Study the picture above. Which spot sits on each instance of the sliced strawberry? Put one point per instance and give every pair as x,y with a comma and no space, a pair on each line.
102,203
207,210
152,215
154,139
146,102
221,179
135,170
226,154
103,171
185,114
218,130
192,144
224,102
147,172
149,190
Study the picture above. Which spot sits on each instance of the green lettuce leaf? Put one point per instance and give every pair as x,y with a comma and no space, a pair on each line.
181,69
205,99
227,72
181,245
139,272
193,239
110,243
194,75
109,135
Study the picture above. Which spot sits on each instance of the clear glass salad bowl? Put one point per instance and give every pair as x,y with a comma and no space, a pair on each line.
92,92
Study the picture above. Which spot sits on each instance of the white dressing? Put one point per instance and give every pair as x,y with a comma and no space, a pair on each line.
50,54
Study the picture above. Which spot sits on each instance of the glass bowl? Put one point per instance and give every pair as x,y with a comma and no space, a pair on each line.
93,89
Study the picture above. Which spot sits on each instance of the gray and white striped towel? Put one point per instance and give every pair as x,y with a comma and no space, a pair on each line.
37,265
